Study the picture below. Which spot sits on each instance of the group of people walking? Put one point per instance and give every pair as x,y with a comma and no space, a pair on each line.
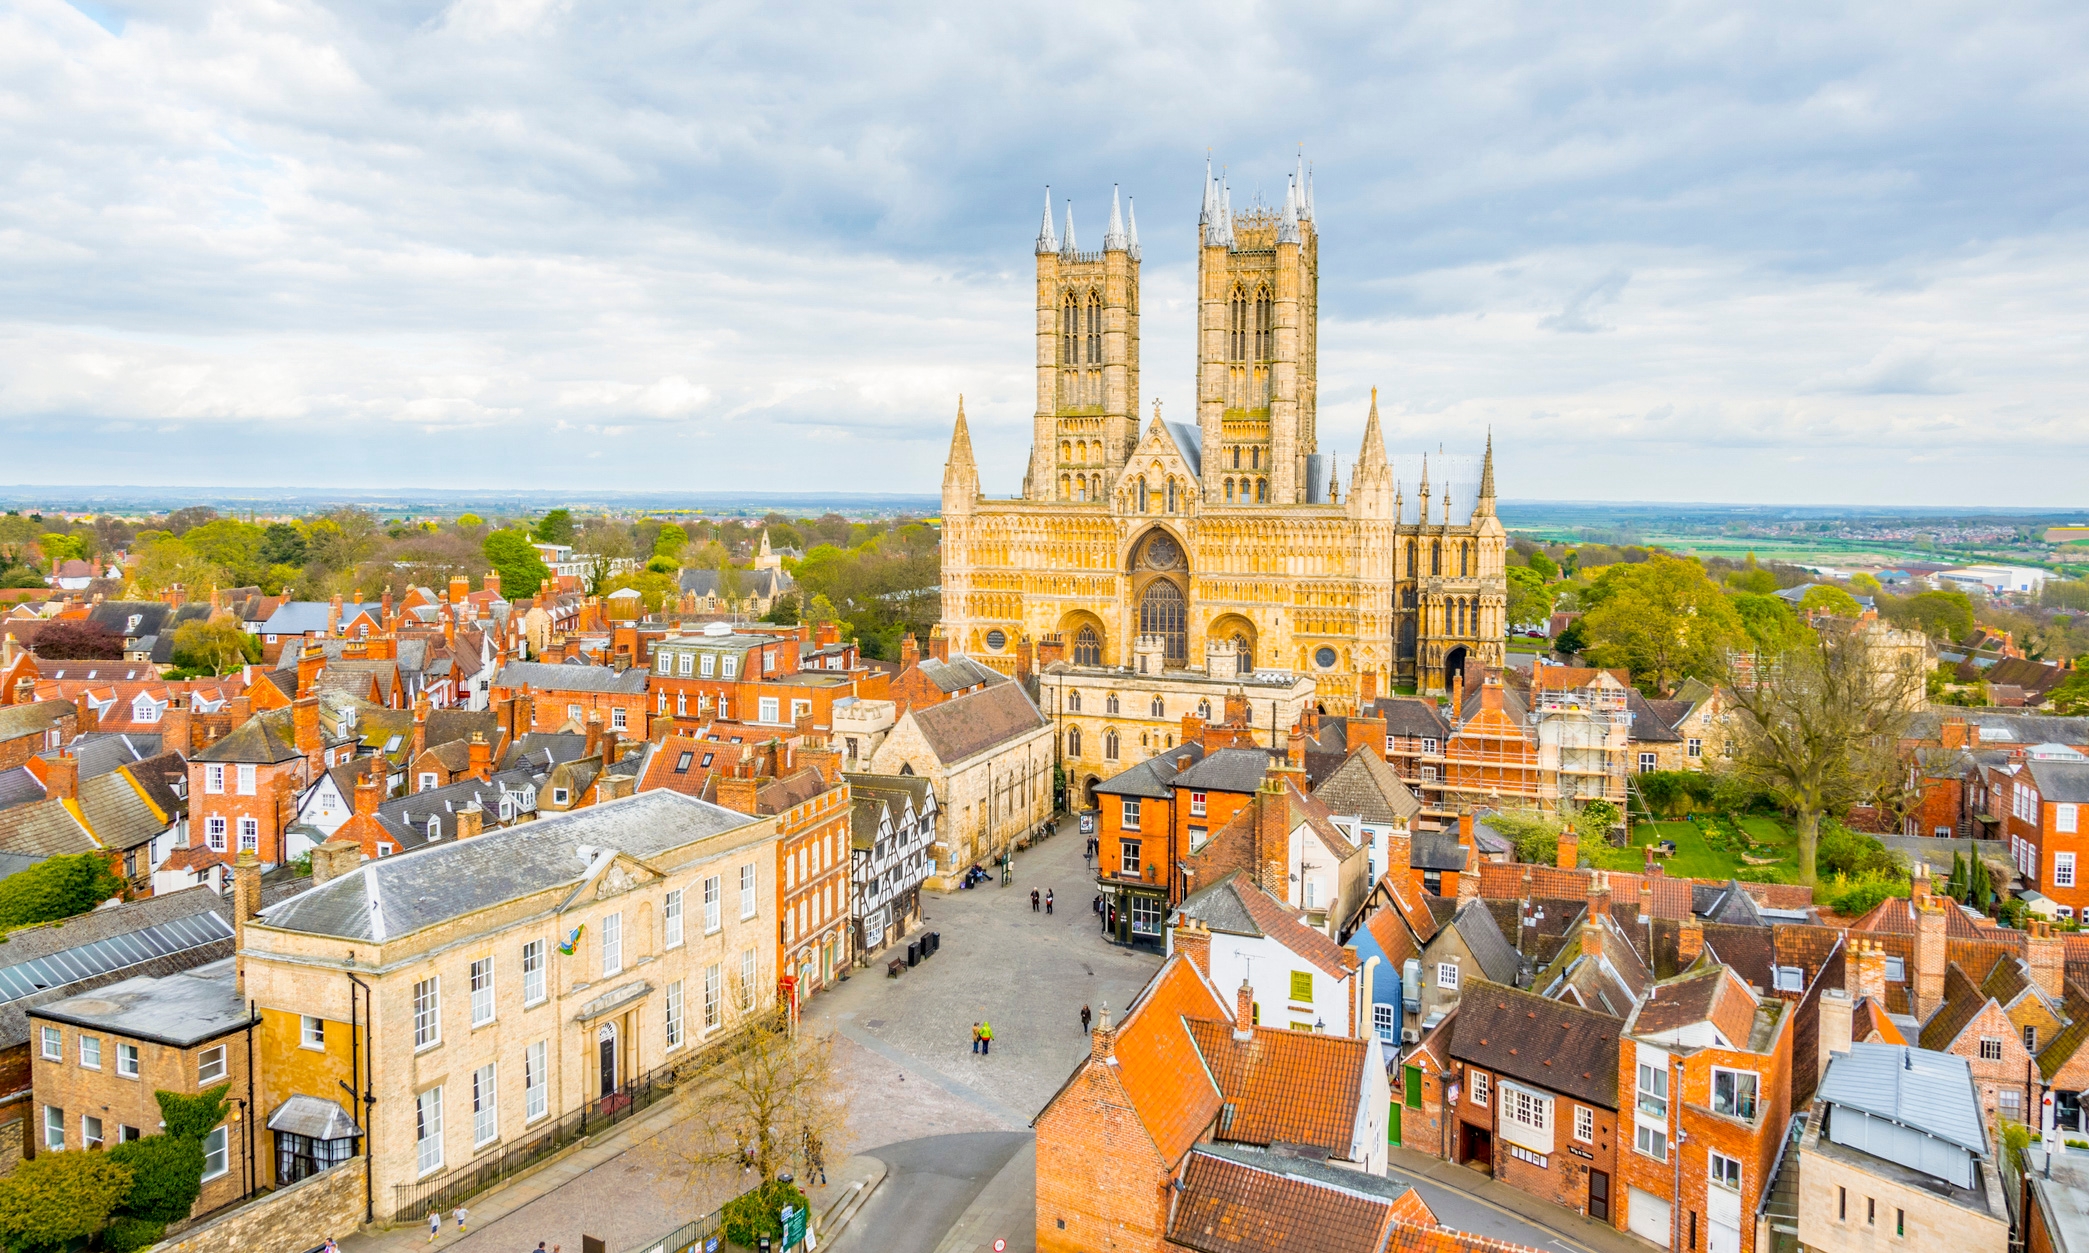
1047,899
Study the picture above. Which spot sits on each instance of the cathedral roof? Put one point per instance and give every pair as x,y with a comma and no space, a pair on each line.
1189,444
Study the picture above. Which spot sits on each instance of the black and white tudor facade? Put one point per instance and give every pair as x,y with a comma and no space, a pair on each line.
891,828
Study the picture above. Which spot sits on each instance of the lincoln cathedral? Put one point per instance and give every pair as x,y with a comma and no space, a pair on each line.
1231,542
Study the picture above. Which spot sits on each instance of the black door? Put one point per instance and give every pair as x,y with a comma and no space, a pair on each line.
608,1050
1599,1195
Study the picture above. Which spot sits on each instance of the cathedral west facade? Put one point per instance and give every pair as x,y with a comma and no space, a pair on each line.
1169,541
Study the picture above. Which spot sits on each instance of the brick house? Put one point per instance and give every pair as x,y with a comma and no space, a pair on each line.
1138,849
34,727
243,788
1415,734
134,814
1285,839
564,696
1708,1065
1972,1024
804,791
2044,805
1535,1093
100,1056
1300,978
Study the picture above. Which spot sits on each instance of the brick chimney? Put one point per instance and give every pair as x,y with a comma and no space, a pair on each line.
1273,838
1361,732
239,709
825,759
1193,941
1366,688
304,721
2046,955
1958,733
311,659
737,794
420,726
1930,946
246,904
1025,659
1592,921
1458,698
1864,972
938,643
1469,873
593,745
89,720
1690,942
1646,899
909,651
1836,1014
1569,850
369,788
491,583
1295,749
471,820
177,731
460,587
333,615
1244,1012
481,757
1050,648
25,687
335,858
62,776
1192,730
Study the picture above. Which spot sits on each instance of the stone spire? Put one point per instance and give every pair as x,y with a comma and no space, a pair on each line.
1371,485
1068,246
1226,213
1307,212
1207,217
1287,225
1486,502
1423,515
1113,239
1131,209
960,472
1047,242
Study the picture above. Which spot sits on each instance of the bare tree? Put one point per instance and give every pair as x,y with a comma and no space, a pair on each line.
772,1099
1819,723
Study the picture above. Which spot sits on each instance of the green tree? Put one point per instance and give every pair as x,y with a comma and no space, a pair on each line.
59,1198
1547,569
1769,621
1530,600
1663,619
283,545
654,588
56,887
216,645
167,562
1751,579
521,570
234,547
1940,614
1864,584
556,527
1818,726
1829,599
1572,639
668,543
58,547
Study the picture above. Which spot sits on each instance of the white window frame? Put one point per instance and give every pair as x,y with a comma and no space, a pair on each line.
1755,1084
427,1013
671,919
485,1106
1482,1086
214,832
54,1128
126,1060
1990,1049
1720,1169
2063,870
533,992
427,1131
714,890
1896,969
619,718
1525,1108
1385,1019
210,1065
53,1044
536,1081
214,780
245,773
747,890
482,998
729,668
750,973
1652,1097
2066,818
612,944
714,996
1584,1124
674,1015
1447,975
1651,1141
311,1032
1131,808
217,1155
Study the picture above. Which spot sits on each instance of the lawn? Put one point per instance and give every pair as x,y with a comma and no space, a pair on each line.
1694,858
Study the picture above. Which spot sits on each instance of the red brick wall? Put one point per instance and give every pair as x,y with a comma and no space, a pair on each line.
21,748
264,806
1101,1184
1564,1179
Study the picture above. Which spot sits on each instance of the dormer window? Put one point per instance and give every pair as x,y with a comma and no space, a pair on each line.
558,796
131,627
144,709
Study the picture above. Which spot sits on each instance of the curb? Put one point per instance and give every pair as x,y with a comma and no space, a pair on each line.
837,1217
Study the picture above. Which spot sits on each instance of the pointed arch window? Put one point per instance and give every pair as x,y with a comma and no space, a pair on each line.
1436,556
1110,704
1070,330
1073,741
1171,496
1065,488
1464,560
1163,612
1095,328
1110,745
1159,707
1142,494
1412,567
1073,701
1255,459
1265,326
1204,710
1246,651
1088,647
1237,327
1236,456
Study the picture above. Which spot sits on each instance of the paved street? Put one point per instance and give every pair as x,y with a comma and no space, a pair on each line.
931,1184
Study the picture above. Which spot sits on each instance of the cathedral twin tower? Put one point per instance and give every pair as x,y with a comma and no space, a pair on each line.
1228,543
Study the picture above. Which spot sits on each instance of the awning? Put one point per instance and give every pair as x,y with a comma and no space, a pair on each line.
314,1117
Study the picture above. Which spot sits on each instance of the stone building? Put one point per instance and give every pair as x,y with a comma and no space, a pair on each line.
989,757
494,984
1234,528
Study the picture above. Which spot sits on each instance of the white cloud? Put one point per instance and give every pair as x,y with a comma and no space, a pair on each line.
771,244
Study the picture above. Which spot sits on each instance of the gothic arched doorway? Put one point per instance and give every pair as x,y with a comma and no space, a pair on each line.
1453,666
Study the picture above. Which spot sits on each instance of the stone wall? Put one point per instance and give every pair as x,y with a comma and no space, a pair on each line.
300,1216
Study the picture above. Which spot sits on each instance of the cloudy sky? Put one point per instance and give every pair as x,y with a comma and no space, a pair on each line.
1692,251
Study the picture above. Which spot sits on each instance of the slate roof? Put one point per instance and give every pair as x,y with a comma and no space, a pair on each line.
543,677
2063,782
1725,902
33,718
1435,850
103,751
1962,1003
959,673
871,796
1284,1087
1647,727
1366,786
754,584
1411,716
967,726
1189,444
1484,940
1152,778
542,750
304,617
111,811
406,817
1235,906
31,943
263,739
1548,1044
1227,770
396,896
2003,728
19,787
1925,1091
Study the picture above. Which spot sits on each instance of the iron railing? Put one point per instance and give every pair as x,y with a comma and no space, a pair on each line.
690,1237
442,1192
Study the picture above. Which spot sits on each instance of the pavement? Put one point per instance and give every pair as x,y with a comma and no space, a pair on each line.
948,1193
1470,1201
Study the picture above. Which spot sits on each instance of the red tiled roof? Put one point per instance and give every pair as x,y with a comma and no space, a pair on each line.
1157,1061
1289,1087
1231,1207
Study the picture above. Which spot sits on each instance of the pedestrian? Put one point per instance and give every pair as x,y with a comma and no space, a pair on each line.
986,1036
1097,904
462,1214
540,1246
1033,900
1048,900
815,1157
975,1037
434,1224
329,1246
1086,1017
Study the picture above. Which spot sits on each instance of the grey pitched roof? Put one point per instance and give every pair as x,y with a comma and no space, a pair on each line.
117,614
34,718
2004,727
2063,782
1227,770
1435,850
19,787
406,817
561,678
302,617
1364,785
1929,1092
396,896
264,738
755,584
1189,444
1725,902
1648,726
872,796
180,1009
1484,940
1152,778
967,726
103,751
542,750
959,673
1411,716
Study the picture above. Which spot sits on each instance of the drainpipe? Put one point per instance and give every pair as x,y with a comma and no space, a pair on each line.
369,1097
1675,1146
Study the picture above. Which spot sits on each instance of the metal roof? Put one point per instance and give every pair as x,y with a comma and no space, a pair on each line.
1925,1091
131,948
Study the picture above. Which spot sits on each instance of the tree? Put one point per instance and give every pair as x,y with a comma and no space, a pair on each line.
654,588
1818,725
58,547
56,887
1663,619
1865,584
1572,638
78,639
59,1198
1941,615
1769,621
166,1176
556,527
167,562
773,1092
1530,601
1547,569
1828,599
521,570
283,545
216,645
1751,579
668,543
